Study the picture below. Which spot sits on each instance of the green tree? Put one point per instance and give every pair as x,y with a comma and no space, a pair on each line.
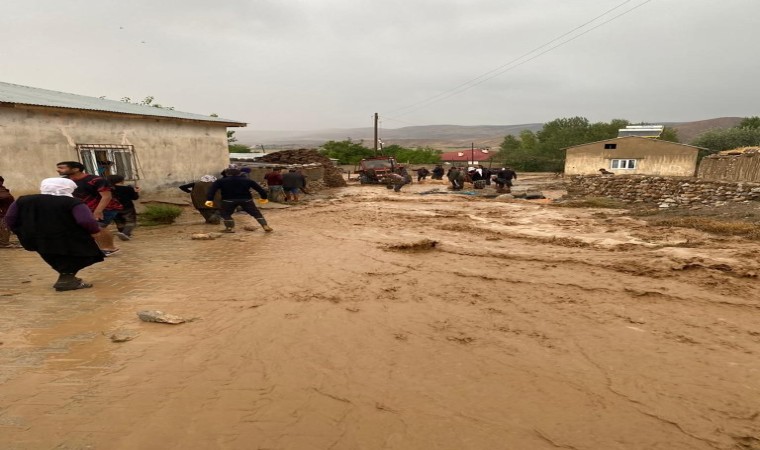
669,134
528,140
413,155
510,144
750,122
239,148
718,140
544,151
346,151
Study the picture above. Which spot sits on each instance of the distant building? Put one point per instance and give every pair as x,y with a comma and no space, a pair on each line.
632,155
468,157
159,147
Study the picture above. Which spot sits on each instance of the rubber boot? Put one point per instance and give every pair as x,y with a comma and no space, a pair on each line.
263,223
229,226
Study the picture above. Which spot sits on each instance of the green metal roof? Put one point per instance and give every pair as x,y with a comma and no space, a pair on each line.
25,95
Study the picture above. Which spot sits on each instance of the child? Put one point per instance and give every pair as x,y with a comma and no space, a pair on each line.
126,219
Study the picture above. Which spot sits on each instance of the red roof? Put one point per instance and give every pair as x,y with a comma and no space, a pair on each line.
467,155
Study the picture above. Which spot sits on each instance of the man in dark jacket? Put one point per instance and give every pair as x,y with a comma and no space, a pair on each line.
236,191
292,182
60,228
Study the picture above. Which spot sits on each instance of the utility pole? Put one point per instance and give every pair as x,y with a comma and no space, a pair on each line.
376,134
472,152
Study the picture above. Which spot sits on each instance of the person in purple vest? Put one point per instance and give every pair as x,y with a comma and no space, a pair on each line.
60,228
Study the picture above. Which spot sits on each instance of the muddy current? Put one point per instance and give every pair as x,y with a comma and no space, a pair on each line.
378,320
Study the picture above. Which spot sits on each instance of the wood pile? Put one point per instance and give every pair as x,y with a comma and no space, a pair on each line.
333,175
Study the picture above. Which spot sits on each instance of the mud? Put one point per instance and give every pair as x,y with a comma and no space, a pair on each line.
524,326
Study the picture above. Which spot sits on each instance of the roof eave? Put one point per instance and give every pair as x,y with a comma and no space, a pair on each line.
140,116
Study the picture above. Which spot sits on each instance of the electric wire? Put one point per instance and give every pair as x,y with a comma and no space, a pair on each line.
514,63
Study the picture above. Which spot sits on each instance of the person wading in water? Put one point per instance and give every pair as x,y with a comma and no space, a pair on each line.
236,191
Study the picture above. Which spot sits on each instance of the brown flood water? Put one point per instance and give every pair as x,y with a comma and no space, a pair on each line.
526,327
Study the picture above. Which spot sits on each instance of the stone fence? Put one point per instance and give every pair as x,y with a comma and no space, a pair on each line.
664,192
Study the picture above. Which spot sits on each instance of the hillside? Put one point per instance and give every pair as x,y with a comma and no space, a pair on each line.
688,131
439,136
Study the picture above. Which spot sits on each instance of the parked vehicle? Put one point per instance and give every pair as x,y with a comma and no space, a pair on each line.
374,170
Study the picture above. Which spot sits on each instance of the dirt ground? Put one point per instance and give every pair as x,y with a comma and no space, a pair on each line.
378,320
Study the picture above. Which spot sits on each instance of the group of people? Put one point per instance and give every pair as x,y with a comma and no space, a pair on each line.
214,198
480,177
66,223
284,187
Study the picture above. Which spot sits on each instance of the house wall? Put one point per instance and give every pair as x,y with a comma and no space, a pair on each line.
169,152
652,158
744,167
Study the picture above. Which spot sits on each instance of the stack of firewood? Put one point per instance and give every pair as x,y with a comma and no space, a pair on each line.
333,175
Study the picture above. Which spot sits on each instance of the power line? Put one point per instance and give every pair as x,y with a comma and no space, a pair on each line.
514,63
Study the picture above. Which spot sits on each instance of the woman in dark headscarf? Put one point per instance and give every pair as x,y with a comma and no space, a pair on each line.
59,227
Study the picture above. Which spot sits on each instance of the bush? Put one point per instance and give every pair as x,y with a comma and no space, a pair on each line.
160,214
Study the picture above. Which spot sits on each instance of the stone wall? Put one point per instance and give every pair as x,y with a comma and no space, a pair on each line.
664,192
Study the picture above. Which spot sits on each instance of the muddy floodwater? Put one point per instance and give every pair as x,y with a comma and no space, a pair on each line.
378,320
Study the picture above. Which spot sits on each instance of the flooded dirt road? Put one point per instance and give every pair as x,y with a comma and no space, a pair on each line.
526,326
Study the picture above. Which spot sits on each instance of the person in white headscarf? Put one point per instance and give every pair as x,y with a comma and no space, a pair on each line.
197,191
59,227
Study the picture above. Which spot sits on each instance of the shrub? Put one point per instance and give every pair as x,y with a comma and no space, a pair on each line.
160,214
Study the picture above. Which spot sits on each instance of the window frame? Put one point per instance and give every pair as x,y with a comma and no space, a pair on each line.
122,156
623,163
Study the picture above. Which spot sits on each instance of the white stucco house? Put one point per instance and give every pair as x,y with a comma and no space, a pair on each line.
157,148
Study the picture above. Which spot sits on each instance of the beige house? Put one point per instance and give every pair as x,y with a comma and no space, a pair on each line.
154,147
632,155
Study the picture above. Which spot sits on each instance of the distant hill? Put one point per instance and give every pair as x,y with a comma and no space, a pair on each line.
441,137
688,131
436,136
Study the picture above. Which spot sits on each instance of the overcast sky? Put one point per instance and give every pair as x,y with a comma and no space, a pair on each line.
313,64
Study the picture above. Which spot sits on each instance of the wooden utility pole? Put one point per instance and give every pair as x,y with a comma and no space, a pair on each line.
472,152
376,120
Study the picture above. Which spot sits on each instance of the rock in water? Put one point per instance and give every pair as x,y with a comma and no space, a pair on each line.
159,317
122,336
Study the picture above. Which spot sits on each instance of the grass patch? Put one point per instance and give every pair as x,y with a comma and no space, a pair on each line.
724,227
159,215
592,202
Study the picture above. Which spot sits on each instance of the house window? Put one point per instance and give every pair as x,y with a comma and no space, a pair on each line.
107,159
623,164
610,146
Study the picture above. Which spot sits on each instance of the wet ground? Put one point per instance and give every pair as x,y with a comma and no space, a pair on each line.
525,326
